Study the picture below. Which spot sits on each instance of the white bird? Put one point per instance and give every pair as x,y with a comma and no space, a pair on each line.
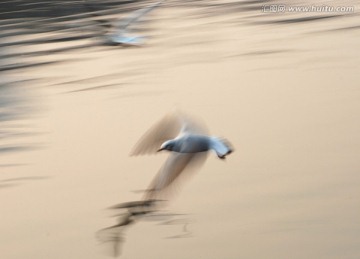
120,35
188,142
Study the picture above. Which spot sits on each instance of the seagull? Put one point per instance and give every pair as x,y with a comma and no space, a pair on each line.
119,34
188,142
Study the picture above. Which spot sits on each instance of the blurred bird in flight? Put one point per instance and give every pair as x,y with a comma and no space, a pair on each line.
120,33
187,140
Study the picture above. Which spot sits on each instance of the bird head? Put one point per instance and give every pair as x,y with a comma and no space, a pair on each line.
167,145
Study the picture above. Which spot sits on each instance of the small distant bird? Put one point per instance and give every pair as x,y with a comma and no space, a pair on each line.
188,142
120,31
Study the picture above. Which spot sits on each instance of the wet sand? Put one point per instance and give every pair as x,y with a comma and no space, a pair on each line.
286,96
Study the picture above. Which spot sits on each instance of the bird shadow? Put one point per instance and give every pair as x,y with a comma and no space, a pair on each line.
130,213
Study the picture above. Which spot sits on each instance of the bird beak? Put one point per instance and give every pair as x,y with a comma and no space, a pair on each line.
161,149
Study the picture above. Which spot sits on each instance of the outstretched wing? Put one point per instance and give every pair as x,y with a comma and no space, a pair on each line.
167,128
176,168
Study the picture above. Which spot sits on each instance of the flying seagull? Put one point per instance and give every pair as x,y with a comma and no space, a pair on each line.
187,140
120,31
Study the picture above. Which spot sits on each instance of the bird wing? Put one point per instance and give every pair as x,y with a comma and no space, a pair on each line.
191,125
167,128
178,164
136,15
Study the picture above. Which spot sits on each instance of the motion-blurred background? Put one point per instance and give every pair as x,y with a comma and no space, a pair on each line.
281,84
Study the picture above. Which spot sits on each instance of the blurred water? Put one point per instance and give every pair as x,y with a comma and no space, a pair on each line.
281,85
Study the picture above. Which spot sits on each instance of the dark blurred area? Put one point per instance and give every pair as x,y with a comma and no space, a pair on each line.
130,213
15,129
51,22
73,23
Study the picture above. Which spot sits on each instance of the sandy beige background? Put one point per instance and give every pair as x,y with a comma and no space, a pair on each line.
286,96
